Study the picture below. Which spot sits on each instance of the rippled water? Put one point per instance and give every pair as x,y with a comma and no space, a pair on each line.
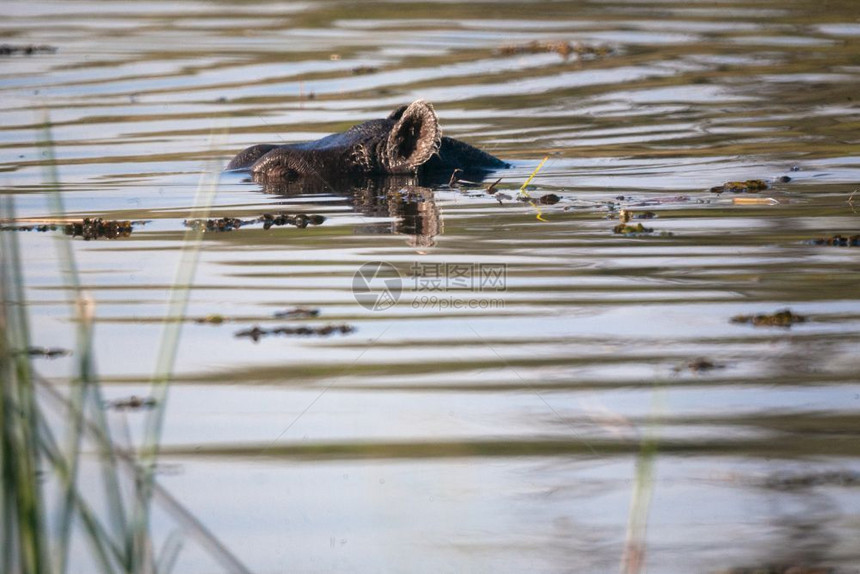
546,419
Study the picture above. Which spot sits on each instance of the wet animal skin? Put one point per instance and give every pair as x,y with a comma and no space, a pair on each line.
408,142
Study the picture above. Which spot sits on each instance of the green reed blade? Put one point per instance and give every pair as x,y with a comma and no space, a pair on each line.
633,560
84,385
169,344
169,553
24,519
185,519
100,540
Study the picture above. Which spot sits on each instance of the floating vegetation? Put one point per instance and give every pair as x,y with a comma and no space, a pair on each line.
563,49
782,569
492,187
268,220
41,227
699,365
297,313
809,480
45,352
219,224
364,70
98,228
784,318
525,187
748,186
755,201
256,332
837,241
456,181
88,228
25,50
625,229
133,402
294,313
299,220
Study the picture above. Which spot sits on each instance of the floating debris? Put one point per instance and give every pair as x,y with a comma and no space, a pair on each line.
549,199
221,224
42,227
98,228
26,50
88,228
755,201
781,569
563,49
297,313
132,403
700,365
213,319
837,241
455,177
363,70
784,318
808,480
48,353
268,220
748,186
256,332
299,220
625,229
456,181
492,188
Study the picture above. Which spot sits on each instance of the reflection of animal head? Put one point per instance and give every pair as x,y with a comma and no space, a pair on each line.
416,214
413,208
408,142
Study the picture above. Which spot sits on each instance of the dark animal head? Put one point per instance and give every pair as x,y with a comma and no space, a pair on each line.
408,142
398,144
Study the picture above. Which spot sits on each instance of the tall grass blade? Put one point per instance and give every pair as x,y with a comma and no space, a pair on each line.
23,520
119,537
8,416
169,554
184,518
99,538
169,344
633,560
84,385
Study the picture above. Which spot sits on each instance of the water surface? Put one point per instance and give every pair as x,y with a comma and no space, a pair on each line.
505,428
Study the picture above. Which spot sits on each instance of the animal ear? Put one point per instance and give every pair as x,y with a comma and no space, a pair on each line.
414,138
397,114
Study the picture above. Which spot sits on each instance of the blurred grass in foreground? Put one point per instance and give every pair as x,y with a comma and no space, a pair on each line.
48,504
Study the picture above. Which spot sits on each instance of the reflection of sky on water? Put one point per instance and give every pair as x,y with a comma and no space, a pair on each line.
594,334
